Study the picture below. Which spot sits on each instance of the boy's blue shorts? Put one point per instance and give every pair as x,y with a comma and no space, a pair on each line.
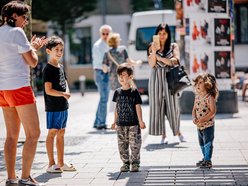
56,120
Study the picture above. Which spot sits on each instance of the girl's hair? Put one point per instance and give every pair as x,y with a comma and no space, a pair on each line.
209,84
10,8
167,43
53,41
113,40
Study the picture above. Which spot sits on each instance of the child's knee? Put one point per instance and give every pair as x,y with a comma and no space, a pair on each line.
61,133
52,133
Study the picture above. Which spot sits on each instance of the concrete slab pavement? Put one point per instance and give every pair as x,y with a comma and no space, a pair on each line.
95,153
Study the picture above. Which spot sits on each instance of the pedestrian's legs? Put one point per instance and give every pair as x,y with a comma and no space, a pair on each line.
123,145
60,147
12,123
135,143
28,115
102,82
208,137
49,146
201,142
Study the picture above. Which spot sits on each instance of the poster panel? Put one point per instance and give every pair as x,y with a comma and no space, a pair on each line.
222,35
201,60
194,6
222,61
217,6
201,30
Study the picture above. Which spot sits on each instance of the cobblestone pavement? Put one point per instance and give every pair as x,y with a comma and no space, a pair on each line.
95,154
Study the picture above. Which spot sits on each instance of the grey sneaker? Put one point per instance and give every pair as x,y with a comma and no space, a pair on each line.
125,167
135,167
11,182
29,182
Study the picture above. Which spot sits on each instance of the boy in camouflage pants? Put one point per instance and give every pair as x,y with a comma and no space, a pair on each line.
128,119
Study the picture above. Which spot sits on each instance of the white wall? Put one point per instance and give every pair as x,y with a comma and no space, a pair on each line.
241,55
119,24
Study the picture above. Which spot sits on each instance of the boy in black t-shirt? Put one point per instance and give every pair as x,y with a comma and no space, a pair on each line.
128,119
56,94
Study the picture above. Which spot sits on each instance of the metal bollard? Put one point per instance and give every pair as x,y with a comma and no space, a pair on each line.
82,79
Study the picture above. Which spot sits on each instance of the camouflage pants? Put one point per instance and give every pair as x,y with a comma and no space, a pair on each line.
129,136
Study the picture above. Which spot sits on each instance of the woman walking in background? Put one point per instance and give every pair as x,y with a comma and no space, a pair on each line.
161,57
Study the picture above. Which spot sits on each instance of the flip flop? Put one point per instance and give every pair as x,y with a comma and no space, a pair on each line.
68,167
54,169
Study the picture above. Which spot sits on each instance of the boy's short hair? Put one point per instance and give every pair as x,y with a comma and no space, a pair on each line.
124,67
53,41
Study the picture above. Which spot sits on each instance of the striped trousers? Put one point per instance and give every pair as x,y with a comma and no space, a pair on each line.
162,103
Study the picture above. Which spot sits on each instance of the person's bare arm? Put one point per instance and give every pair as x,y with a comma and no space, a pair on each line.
139,114
31,57
113,126
152,56
52,92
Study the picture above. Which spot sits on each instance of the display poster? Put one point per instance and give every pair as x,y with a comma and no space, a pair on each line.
201,30
201,61
222,60
222,32
194,6
217,6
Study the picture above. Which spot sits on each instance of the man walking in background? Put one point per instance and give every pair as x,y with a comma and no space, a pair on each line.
101,78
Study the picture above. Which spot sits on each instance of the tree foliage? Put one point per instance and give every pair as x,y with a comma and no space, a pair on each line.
62,12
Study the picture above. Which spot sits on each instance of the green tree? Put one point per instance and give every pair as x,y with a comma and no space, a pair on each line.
61,12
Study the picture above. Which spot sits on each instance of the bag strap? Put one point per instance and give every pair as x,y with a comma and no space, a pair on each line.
112,59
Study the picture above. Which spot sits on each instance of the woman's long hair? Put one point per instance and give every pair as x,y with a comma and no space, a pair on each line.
167,43
10,8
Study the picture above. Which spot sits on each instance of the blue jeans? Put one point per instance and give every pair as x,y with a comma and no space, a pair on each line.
206,138
102,83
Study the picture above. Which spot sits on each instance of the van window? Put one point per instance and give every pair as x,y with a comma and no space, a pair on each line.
144,36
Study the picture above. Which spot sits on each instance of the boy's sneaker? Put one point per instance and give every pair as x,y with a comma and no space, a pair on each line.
199,163
125,167
29,182
206,164
135,167
11,182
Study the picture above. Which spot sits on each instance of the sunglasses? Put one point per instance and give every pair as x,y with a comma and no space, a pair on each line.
105,34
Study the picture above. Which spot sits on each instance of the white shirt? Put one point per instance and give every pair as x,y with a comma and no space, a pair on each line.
14,71
98,51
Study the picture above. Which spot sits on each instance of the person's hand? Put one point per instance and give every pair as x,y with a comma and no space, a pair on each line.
66,95
142,124
195,121
113,126
37,42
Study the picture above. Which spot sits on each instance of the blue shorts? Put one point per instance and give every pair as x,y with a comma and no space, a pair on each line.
56,120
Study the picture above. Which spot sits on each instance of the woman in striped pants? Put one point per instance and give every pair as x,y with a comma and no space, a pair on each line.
161,57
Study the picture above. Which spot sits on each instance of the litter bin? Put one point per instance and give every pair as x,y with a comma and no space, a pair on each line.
82,79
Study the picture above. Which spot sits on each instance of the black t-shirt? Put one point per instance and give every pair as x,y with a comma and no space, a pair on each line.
57,77
126,100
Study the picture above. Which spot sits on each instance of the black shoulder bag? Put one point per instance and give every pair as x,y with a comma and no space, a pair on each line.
177,79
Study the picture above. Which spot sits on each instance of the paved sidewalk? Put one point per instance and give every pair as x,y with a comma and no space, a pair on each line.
95,154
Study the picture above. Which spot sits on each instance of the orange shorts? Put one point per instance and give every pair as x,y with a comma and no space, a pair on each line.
17,97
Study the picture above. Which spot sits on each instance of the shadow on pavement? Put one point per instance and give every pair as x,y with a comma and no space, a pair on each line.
108,131
45,177
153,147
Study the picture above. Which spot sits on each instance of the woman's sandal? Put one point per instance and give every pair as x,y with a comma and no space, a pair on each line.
68,167
54,169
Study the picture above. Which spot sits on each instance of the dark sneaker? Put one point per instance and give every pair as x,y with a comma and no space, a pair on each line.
135,167
30,182
11,182
206,164
125,167
199,163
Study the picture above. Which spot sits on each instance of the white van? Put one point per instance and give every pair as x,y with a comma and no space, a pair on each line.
142,28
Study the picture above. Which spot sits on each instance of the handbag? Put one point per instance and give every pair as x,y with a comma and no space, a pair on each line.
177,79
